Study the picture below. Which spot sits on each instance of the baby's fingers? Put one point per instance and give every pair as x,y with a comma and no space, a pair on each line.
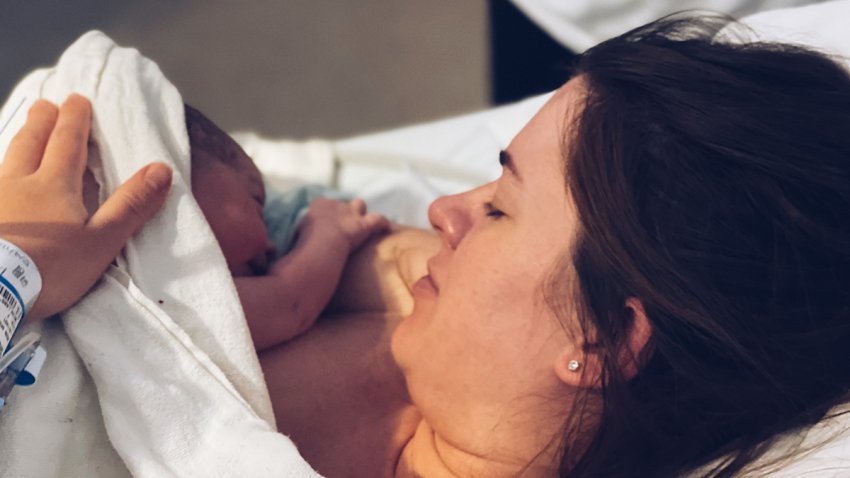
365,227
376,222
358,206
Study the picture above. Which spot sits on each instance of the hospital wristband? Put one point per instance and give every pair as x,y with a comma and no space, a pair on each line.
20,284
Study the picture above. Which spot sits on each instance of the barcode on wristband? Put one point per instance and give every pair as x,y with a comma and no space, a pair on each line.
10,316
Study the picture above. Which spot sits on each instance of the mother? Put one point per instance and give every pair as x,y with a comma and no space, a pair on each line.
657,280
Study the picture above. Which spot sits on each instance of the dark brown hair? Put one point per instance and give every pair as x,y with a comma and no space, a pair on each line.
712,181
207,136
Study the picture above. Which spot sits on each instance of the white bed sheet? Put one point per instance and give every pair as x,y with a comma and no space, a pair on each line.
580,24
399,172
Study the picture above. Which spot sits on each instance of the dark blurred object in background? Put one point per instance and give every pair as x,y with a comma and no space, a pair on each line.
524,60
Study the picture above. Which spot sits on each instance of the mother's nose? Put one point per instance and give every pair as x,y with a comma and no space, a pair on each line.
449,216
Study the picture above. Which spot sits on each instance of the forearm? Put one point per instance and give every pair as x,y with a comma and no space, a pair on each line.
285,303
313,268
268,323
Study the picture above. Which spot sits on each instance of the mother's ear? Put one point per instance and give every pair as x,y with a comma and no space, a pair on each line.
640,330
582,366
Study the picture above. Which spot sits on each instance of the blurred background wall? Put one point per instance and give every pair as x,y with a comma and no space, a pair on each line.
293,68
331,68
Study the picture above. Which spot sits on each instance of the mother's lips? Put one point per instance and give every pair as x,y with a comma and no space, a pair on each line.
426,283
430,276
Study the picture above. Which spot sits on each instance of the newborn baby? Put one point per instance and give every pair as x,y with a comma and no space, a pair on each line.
283,299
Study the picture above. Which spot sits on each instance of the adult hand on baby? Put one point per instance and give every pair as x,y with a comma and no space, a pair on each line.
41,178
348,220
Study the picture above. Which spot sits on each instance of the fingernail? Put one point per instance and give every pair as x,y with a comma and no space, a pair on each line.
158,175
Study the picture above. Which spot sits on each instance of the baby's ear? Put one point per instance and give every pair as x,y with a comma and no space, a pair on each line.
582,366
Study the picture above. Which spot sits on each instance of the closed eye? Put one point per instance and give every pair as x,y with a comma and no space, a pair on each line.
491,211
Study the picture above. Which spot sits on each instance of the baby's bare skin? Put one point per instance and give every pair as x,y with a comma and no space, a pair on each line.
283,300
336,390
287,300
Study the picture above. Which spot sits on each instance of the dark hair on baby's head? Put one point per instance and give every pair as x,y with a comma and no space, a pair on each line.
207,136
712,181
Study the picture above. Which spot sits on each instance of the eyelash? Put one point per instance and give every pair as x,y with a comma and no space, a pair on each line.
491,211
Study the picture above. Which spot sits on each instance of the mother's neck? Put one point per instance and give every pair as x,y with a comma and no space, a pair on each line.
427,454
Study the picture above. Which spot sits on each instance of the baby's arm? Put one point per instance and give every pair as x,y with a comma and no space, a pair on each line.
285,302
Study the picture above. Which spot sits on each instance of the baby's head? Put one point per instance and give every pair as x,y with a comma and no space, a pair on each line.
229,189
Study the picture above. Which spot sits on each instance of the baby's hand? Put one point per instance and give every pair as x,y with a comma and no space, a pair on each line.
349,220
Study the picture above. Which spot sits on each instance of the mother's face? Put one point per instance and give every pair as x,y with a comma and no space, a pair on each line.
480,334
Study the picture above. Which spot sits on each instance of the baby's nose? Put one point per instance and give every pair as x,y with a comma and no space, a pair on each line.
260,263
271,251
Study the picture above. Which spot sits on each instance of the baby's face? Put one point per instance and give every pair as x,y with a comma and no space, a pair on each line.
231,196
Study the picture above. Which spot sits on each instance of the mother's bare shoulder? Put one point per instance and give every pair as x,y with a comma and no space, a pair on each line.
379,275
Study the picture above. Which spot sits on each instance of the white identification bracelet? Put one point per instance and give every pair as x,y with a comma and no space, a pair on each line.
20,284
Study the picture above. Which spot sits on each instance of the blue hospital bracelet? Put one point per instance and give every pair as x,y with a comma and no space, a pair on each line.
20,284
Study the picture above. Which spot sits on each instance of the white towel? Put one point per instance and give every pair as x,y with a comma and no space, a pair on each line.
162,335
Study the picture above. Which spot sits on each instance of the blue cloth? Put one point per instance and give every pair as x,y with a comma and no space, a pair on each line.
284,210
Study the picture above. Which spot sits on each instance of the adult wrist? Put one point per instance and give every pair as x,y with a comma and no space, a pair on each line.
20,286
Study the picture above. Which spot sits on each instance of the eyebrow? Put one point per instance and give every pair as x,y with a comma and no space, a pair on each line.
507,161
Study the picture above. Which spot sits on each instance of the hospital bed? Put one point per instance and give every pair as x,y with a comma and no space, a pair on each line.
156,390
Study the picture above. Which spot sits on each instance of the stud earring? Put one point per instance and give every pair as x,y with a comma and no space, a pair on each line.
573,365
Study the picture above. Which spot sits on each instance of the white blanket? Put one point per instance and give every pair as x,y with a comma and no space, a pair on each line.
162,335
